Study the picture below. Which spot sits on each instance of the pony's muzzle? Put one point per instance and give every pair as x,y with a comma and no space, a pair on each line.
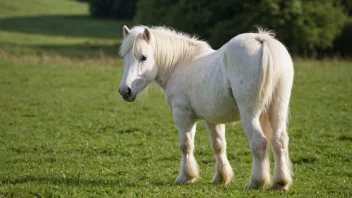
126,94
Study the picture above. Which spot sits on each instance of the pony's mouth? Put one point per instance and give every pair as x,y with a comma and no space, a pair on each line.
130,98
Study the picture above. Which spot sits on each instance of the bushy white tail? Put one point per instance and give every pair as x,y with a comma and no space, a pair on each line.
268,71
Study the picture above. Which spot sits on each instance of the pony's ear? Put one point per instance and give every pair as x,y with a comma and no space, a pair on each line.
126,31
146,34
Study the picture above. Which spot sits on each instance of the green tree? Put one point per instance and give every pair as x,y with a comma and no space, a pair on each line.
303,26
120,9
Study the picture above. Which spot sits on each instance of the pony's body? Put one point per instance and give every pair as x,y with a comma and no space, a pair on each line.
206,93
249,78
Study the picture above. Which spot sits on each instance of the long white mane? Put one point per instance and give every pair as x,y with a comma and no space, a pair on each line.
171,47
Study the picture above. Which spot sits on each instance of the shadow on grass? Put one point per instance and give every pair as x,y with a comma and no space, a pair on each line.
78,181
67,181
60,25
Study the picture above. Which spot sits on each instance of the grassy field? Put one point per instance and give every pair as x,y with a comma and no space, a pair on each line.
56,32
65,131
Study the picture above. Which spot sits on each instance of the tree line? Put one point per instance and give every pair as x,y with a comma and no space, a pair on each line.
309,28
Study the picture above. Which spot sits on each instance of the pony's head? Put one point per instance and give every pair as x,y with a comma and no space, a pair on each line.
138,53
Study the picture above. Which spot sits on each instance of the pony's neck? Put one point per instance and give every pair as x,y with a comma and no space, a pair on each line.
174,51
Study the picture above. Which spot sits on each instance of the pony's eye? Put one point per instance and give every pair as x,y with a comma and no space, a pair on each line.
143,58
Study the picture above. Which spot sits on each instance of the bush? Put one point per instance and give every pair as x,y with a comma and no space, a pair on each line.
342,44
119,9
303,26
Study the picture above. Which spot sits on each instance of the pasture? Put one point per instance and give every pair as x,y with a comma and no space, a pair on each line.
65,131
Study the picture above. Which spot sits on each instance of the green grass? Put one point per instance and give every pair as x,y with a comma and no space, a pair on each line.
56,28
66,131
20,8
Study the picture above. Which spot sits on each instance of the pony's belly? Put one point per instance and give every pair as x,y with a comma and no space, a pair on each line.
224,118
219,113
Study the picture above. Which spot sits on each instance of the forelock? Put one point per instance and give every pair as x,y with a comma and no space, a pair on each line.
129,42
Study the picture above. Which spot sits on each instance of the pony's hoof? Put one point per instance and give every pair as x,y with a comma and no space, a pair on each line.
185,180
222,179
281,186
257,184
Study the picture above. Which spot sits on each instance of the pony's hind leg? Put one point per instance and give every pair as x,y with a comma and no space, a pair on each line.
278,111
260,176
186,126
224,171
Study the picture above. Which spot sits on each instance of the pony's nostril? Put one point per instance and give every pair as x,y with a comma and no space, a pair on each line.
128,91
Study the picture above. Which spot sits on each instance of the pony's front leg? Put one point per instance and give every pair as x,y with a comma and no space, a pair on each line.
186,126
224,171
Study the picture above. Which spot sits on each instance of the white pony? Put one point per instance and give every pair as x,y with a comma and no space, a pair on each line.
250,78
